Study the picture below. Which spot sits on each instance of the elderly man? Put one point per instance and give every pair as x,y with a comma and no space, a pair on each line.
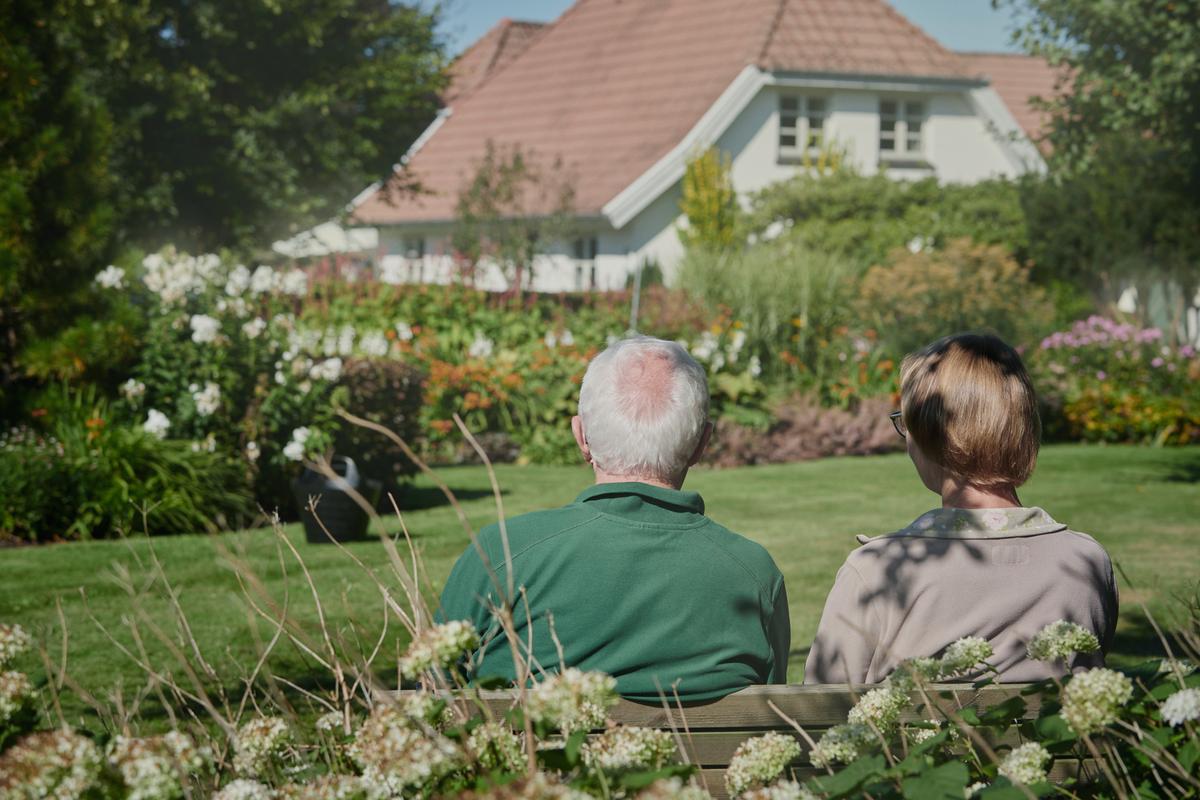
632,578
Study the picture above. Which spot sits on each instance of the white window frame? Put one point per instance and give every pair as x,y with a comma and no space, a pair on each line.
586,250
803,110
908,111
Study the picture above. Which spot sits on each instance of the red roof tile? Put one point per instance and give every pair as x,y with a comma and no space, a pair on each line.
1017,78
494,50
612,86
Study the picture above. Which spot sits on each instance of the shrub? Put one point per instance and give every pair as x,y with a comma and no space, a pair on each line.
862,219
88,473
916,298
1105,381
803,429
389,393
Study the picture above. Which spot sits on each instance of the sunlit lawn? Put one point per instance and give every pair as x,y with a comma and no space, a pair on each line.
1142,504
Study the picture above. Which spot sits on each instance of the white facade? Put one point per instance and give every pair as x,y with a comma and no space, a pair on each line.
954,131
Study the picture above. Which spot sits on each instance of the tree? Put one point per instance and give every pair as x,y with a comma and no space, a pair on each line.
1124,137
513,206
709,202
56,218
237,123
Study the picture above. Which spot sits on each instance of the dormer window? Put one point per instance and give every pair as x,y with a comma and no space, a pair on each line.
900,129
801,125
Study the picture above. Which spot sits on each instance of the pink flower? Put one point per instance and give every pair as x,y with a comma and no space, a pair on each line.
1101,375
1157,362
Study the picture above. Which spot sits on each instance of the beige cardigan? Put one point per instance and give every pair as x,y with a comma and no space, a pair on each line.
1001,574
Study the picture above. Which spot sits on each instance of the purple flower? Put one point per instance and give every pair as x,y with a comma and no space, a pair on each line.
1157,362
1187,351
1101,375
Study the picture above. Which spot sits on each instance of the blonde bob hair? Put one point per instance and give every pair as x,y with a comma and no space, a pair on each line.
969,405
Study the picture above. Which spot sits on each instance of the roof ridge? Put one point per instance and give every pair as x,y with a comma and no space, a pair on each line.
772,27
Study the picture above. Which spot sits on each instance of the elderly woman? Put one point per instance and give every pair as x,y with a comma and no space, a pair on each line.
981,565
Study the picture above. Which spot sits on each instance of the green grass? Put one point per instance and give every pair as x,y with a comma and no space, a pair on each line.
1140,503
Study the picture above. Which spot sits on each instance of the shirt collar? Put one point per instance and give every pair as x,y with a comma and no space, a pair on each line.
673,499
978,523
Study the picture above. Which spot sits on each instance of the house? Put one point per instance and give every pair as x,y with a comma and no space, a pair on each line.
623,92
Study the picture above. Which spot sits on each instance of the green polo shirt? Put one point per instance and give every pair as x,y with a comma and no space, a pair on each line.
640,584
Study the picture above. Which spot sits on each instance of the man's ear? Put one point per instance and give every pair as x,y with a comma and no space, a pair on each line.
581,437
702,445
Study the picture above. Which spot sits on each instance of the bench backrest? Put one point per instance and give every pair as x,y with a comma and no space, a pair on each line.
711,732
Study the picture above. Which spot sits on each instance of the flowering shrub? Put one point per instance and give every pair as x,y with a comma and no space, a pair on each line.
1108,381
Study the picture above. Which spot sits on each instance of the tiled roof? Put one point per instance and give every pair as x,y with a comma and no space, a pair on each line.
1017,78
612,86
860,37
495,49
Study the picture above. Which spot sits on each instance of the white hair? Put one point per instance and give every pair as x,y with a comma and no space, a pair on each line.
644,405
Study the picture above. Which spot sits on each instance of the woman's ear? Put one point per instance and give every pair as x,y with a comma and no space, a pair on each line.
581,437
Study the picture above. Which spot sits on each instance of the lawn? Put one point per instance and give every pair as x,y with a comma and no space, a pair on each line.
1141,503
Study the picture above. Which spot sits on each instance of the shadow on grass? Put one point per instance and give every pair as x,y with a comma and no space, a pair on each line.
1186,470
1135,641
419,498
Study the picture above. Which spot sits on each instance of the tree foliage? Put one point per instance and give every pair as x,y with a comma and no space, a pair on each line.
1123,201
511,209
709,201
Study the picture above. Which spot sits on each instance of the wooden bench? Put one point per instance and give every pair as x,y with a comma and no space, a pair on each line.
714,730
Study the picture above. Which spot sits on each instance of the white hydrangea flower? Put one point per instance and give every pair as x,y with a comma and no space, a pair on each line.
481,347
629,748
330,722
252,452
204,328
208,399
173,277
1060,640
394,756
374,344
404,331
974,789
675,789
496,747
294,283
572,700
155,768
964,655
736,343
15,690
258,742
707,345
14,640
293,451
438,646
324,787
916,736
567,339
208,444
242,789
1181,707
550,339
755,368
156,424
879,707
783,790
1179,667
759,761
58,764
263,280
111,277
345,340
1025,764
254,327
841,744
238,281
328,370
1093,699
391,272
132,389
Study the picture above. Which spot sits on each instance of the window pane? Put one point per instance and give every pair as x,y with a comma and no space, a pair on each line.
788,103
914,110
887,141
787,122
887,107
816,105
913,143
887,125
816,123
787,140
